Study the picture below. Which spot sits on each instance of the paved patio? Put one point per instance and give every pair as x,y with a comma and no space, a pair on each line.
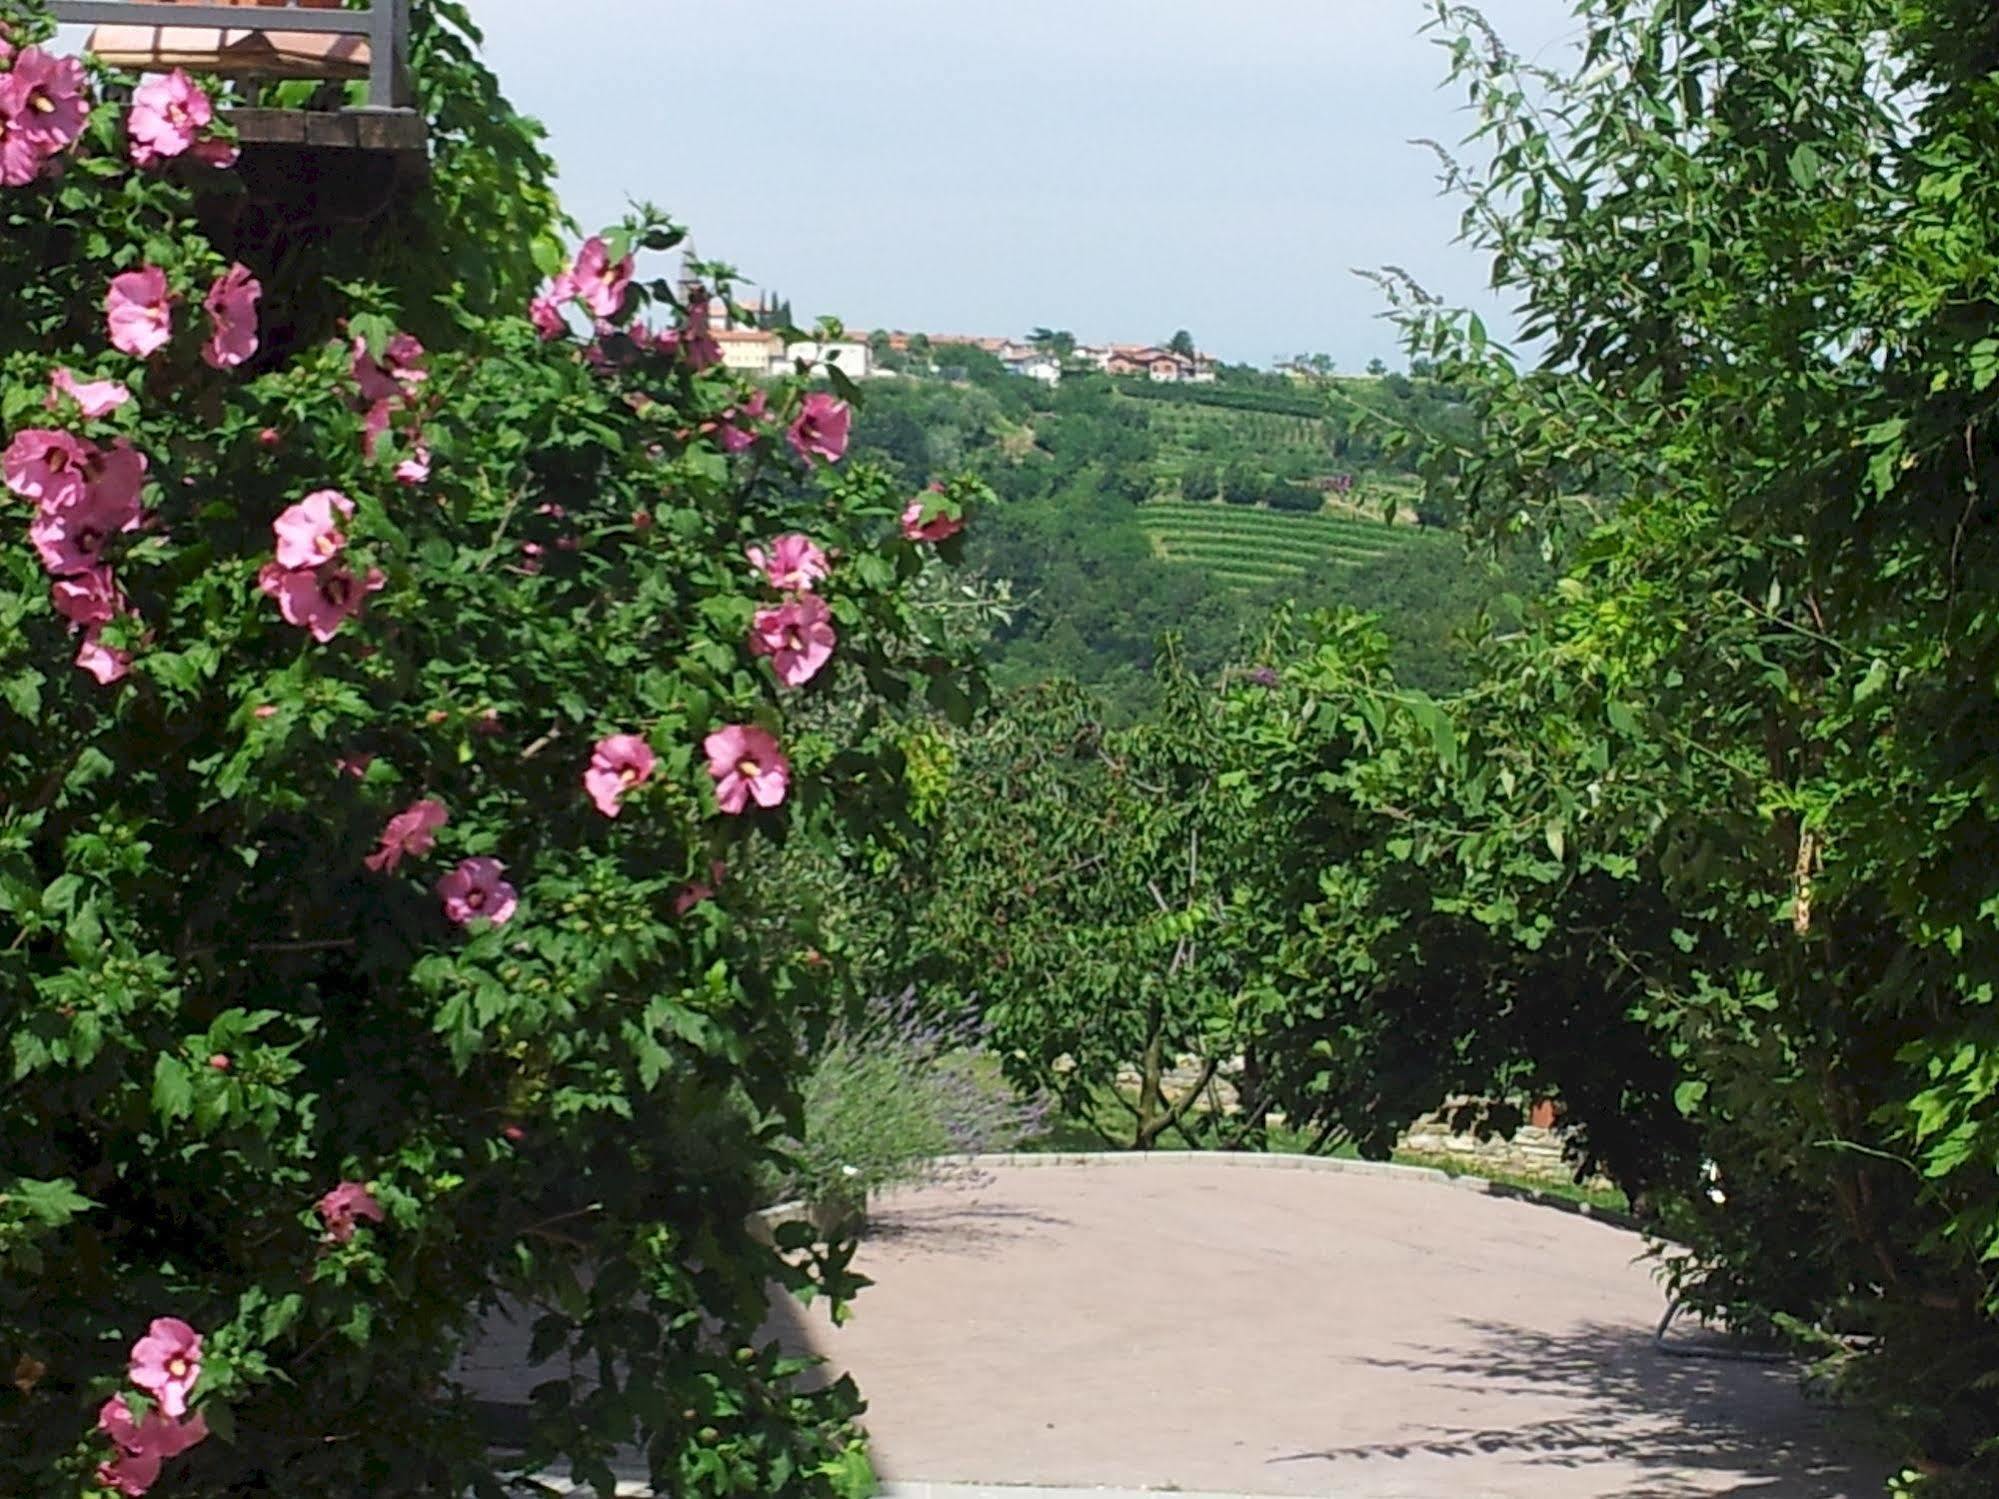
1200,1326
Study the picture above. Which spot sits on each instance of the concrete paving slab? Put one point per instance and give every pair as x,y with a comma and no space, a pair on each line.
1199,1327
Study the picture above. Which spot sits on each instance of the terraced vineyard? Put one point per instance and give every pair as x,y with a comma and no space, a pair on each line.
1247,547
1187,432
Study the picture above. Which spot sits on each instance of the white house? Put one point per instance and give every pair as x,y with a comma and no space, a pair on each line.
750,351
1039,366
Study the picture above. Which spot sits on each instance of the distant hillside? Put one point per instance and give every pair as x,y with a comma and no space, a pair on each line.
1127,510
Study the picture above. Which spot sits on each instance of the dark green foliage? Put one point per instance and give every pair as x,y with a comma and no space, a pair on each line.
1200,481
1758,701
1301,498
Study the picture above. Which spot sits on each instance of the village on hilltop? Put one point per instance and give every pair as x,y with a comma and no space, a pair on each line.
747,332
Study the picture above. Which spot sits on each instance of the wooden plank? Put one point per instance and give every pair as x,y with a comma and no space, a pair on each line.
396,131
329,130
268,126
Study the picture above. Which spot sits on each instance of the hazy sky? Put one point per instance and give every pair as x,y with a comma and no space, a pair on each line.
1120,168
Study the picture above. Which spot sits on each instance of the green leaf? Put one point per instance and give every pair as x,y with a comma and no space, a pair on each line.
1806,168
52,1203
1873,682
22,691
173,1089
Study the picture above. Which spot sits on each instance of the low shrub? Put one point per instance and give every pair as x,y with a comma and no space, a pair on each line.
893,1096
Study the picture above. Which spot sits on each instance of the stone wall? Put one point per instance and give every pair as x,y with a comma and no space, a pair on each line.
1534,1151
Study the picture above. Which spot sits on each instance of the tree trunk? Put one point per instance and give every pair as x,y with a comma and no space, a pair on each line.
1151,1092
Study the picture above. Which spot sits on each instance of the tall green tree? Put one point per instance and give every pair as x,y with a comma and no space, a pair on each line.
1754,247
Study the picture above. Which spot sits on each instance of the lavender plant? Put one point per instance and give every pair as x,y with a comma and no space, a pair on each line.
897,1097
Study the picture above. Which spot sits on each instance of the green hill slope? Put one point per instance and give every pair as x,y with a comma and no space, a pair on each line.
1246,547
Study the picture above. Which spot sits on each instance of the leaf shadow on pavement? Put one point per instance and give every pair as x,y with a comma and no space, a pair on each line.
964,1228
1697,1427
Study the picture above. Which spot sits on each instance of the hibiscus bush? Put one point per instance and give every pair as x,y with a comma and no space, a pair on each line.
380,726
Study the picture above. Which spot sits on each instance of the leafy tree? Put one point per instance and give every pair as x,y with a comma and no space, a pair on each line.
977,364
1292,495
1057,341
1741,755
1103,895
1200,481
1242,484
1181,343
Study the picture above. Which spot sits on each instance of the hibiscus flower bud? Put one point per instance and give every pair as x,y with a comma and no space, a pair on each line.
220,1062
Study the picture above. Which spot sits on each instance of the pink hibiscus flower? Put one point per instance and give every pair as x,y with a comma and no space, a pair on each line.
411,833
137,312
747,765
937,528
798,637
793,563
46,466
88,598
114,477
820,428
547,318
687,897
168,116
309,532
690,895
318,599
166,1364
159,1433
617,764
73,539
96,397
130,1473
475,889
42,110
20,162
106,663
414,469
232,318
342,1206
597,283
738,427
211,151
395,375
374,423
693,340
